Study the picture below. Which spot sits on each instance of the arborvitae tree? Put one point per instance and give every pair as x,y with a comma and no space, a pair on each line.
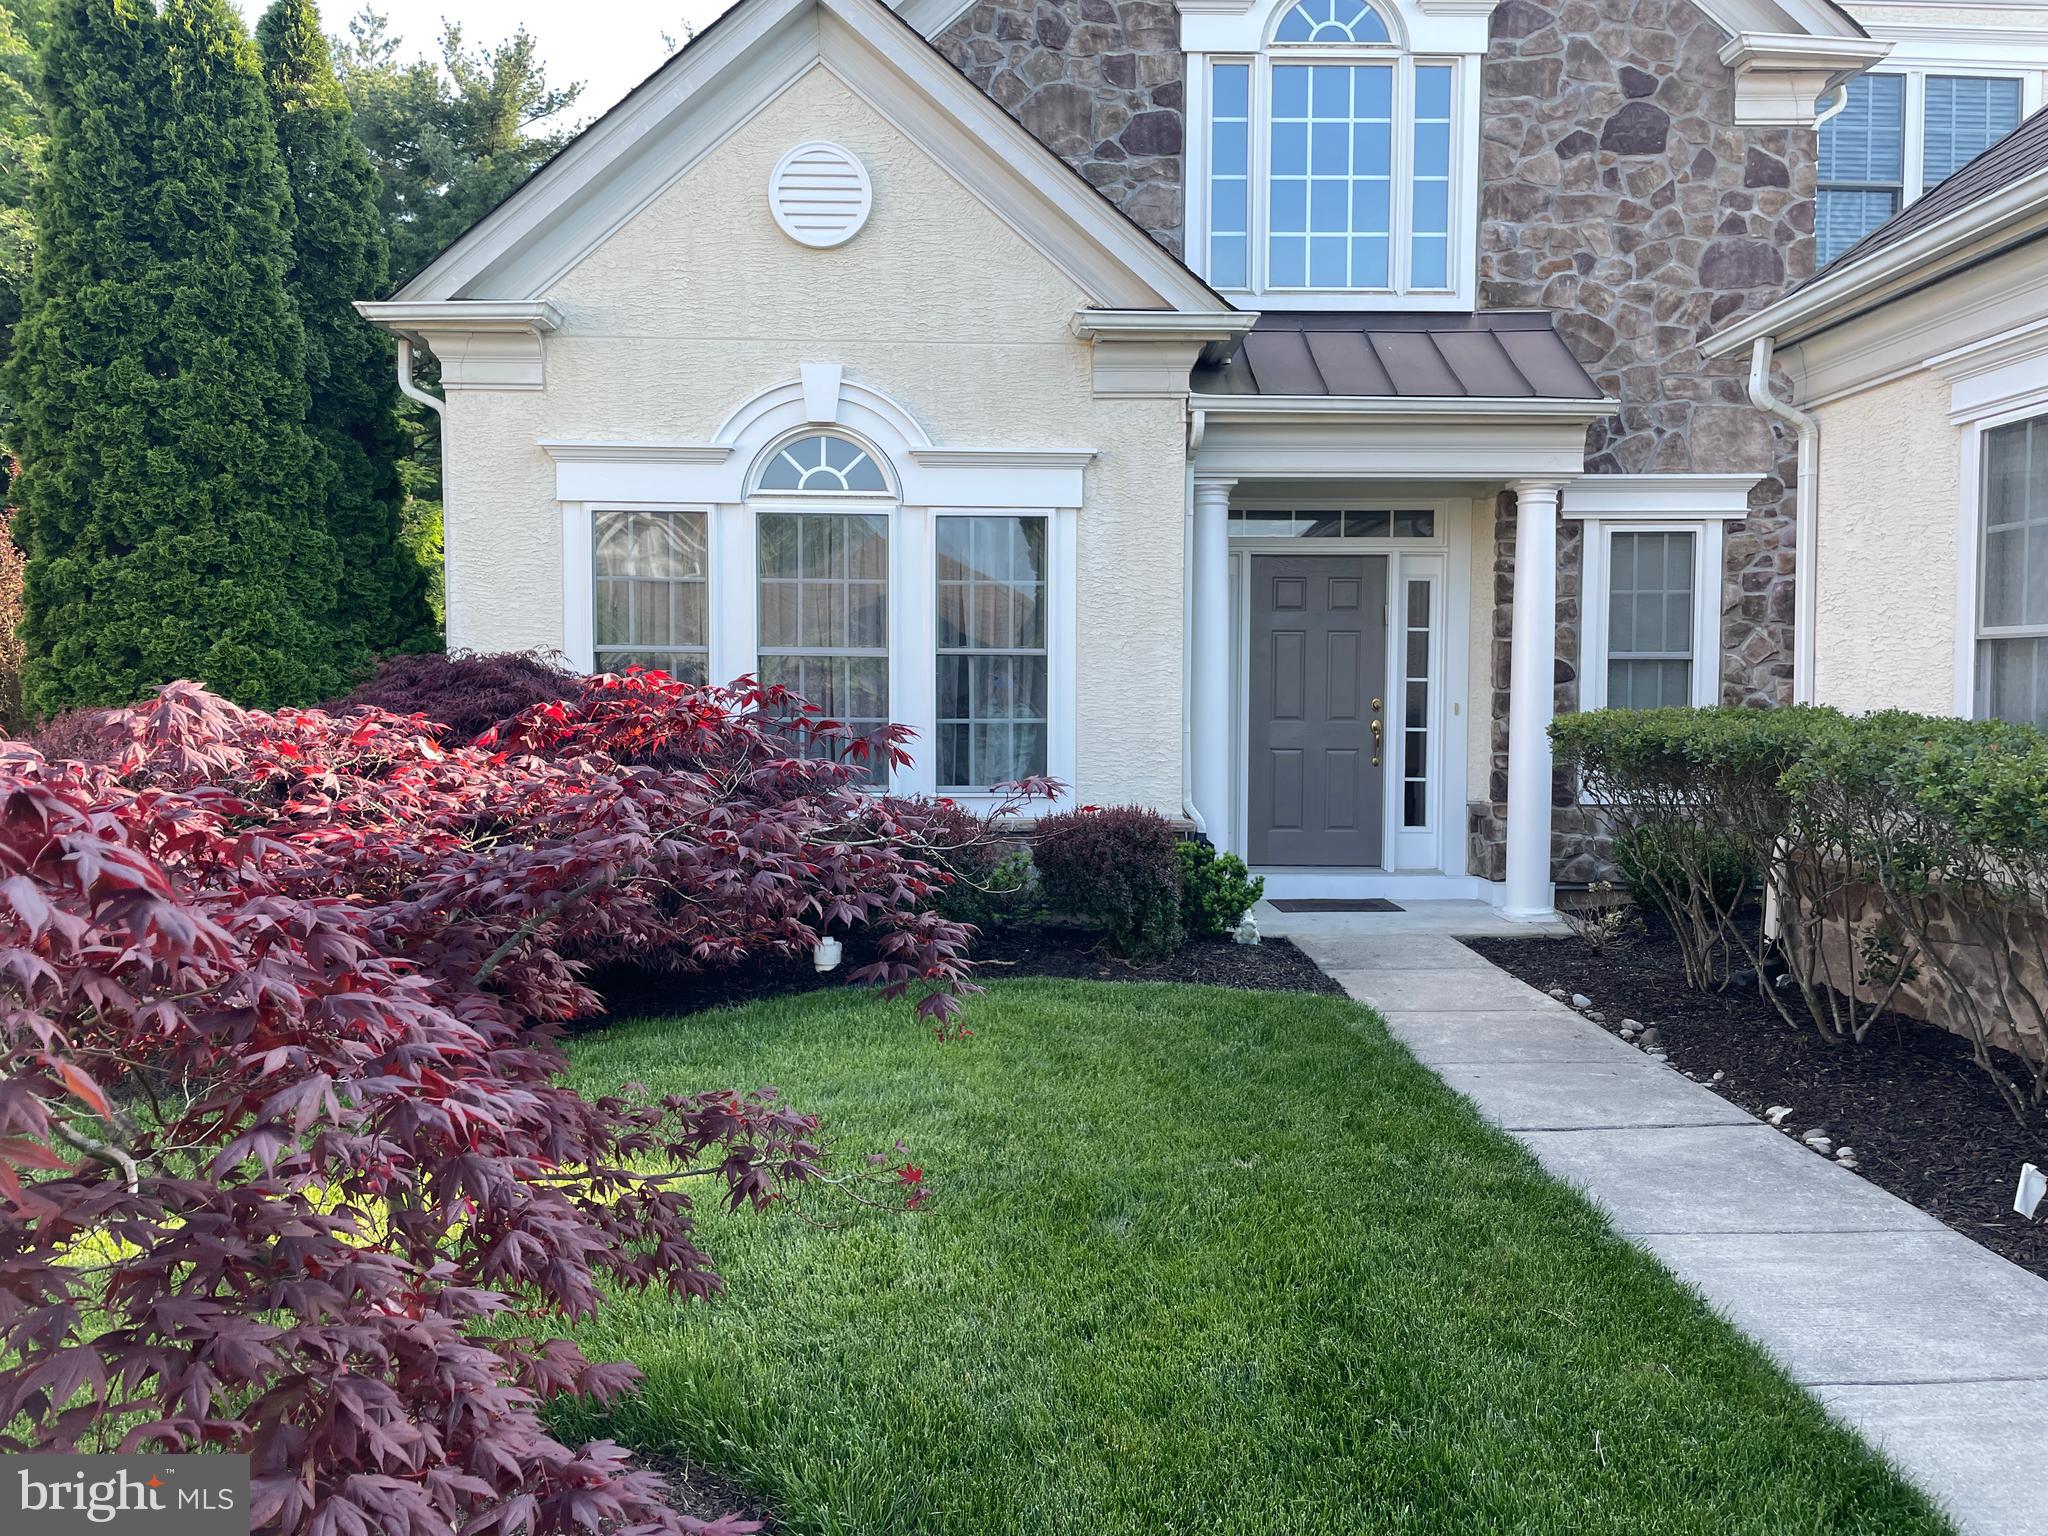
341,256
168,490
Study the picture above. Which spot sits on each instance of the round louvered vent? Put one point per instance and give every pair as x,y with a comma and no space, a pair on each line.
820,195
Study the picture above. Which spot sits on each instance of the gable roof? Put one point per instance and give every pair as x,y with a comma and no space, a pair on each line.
1492,355
631,154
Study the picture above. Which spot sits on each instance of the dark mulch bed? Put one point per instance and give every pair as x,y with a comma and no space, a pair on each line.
706,1495
1923,1118
1065,952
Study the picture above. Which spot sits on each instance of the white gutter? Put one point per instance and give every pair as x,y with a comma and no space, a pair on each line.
1806,517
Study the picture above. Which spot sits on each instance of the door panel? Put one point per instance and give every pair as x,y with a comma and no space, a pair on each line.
1319,660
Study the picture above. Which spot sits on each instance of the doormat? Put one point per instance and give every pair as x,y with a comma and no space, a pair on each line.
1370,904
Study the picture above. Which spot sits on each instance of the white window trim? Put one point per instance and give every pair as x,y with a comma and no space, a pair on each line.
1981,400
714,478
1594,560
1702,505
1238,33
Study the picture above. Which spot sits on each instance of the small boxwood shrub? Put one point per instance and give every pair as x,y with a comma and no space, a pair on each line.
1118,869
1215,890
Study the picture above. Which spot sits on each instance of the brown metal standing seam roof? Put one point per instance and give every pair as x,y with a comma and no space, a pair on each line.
1489,355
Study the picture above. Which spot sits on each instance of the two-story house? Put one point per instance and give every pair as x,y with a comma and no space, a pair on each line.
1266,411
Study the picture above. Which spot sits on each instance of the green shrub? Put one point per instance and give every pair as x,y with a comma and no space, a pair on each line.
1215,891
1116,868
1897,848
1655,859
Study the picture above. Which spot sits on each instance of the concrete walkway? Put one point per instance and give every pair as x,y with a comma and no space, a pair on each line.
1931,1347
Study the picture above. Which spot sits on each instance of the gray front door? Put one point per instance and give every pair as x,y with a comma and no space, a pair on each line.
1318,665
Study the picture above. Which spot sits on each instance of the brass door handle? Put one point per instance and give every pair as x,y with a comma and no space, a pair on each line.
1377,733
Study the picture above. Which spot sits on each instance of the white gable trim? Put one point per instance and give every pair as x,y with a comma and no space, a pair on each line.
749,57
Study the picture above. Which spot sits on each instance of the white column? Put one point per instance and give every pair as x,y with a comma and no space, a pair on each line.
1209,663
1531,700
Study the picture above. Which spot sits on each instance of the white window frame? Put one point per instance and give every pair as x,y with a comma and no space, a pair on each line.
1239,32
1594,638
1702,505
927,481
1992,384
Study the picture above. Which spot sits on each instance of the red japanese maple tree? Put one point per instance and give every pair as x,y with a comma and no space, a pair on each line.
286,1158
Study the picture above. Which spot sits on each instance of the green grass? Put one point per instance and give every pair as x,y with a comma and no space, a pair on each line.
1199,1263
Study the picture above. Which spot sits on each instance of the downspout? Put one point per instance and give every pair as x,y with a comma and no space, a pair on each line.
1196,422
412,391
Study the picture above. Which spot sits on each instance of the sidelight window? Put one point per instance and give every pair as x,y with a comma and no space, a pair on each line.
652,577
993,661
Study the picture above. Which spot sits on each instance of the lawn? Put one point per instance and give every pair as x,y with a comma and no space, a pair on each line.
1197,1263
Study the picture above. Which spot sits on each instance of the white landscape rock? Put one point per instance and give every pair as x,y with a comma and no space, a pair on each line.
1778,1114
1580,1000
1819,1140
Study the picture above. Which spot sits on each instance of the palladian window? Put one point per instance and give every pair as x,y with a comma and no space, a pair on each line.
1331,160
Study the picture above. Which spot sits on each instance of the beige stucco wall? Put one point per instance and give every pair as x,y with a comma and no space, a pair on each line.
701,303
1885,564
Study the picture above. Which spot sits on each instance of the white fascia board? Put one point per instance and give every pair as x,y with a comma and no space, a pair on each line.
564,185
1654,496
423,317
1801,51
750,56
1923,256
1815,18
1448,445
931,17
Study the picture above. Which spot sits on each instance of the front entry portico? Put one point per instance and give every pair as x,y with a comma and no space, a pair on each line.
1302,503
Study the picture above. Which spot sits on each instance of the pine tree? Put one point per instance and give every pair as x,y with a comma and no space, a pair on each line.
341,255
167,494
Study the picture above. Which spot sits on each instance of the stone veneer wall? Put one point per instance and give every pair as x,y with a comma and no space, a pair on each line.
1099,82
1616,190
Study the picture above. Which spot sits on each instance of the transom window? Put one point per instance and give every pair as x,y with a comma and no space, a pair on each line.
823,462
1330,160
2012,626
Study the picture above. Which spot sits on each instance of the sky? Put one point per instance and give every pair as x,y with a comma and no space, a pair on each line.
611,45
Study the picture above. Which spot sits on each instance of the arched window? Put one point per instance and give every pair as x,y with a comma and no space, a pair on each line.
1332,21
1330,159
824,462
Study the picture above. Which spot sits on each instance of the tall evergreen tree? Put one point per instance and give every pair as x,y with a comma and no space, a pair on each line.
341,255
168,487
